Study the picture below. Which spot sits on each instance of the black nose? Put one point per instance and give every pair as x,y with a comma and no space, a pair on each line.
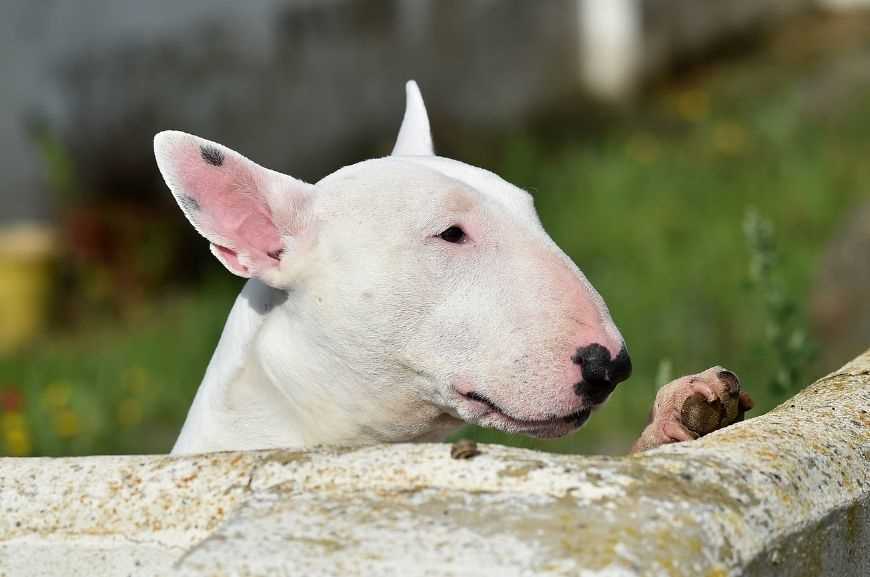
601,373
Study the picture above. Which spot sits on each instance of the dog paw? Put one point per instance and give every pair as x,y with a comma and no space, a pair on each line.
693,406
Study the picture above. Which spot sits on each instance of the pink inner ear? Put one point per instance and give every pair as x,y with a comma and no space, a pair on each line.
228,206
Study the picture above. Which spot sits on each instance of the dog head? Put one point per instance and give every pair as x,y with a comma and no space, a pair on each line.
425,286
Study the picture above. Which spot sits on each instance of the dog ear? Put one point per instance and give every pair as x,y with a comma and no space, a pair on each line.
415,137
251,215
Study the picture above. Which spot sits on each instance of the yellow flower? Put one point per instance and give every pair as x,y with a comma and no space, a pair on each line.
57,395
18,443
729,138
66,424
129,413
692,105
16,435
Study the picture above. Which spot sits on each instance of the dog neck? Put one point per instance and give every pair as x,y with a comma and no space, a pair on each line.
232,406
271,384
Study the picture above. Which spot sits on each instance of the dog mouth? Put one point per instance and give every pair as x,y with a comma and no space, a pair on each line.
495,417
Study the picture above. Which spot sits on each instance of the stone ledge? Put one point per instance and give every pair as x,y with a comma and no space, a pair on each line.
787,493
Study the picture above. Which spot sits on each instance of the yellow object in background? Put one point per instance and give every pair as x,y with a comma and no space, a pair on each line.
26,276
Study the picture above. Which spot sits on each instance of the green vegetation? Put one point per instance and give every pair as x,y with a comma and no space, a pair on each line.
110,387
652,209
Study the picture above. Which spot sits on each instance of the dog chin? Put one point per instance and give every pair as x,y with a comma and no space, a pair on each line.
485,414
543,429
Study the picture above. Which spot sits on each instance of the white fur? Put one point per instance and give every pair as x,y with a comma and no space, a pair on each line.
372,328
415,137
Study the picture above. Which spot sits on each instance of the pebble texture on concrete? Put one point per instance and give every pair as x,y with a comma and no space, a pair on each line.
787,493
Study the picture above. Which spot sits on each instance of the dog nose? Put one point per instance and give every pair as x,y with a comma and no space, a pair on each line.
601,373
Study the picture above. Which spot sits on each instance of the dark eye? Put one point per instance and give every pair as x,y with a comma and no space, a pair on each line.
453,234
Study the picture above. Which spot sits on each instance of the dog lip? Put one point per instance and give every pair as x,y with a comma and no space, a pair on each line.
577,418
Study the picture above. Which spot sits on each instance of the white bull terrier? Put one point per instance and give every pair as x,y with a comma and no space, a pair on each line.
394,300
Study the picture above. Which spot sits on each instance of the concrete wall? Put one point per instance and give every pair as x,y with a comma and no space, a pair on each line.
785,494
297,83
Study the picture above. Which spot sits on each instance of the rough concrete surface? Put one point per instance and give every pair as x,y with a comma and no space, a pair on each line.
787,493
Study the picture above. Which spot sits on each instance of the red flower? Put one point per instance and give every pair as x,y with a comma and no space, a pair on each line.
11,400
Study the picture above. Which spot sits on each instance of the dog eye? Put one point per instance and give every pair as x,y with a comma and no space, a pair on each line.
453,234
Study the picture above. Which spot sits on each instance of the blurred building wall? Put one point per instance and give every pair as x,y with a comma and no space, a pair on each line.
48,48
845,4
290,82
285,81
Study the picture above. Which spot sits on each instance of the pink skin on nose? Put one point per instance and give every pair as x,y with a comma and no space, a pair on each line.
590,321
580,319
585,320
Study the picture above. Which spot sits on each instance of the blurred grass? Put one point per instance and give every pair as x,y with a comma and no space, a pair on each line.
110,387
652,210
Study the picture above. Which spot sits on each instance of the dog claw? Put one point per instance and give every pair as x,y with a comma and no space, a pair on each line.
731,380
694,406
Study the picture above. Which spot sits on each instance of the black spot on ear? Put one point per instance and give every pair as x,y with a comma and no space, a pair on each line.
276,254
211,155
188,203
